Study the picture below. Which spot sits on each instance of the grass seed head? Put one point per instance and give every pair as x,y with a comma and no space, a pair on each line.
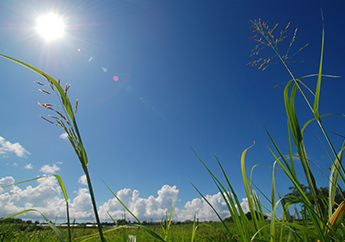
44,91
76,106
62,125
48,120
264,35
66,88
68,123
39,83
45,105
61,115
51,86
304,47
54,117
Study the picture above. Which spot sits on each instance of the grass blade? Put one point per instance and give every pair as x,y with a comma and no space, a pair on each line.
318,85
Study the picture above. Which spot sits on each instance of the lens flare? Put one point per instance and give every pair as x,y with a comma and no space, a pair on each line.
115,78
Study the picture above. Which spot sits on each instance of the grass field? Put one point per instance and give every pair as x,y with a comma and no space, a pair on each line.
180,232
212,231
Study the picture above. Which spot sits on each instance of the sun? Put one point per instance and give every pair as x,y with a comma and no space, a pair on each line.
50,27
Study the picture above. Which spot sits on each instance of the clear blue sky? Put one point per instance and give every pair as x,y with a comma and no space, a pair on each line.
183,82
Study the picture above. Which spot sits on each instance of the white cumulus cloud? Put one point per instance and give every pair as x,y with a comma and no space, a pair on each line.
28,166
7,147
46,197
204,212
82,180
144,208
49,169
64,136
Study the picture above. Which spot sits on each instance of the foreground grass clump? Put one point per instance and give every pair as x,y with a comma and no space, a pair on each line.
322,219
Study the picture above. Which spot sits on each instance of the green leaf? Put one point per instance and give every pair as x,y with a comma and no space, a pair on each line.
318,85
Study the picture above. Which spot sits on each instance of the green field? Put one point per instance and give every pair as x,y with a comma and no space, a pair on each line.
211,231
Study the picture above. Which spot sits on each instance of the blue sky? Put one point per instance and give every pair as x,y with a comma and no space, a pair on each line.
183,82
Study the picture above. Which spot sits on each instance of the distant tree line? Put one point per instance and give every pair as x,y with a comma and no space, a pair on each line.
294,197
248,215
17,221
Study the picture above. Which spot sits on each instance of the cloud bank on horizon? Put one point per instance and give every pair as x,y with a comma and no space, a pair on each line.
47,198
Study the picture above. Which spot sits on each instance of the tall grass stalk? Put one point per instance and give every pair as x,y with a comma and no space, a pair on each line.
67,121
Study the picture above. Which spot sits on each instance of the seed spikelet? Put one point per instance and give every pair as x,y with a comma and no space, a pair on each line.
66,88
44,91
39,83
48,120
76,106
61,115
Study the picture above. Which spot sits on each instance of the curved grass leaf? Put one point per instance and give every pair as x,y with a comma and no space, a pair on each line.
76,143
65,102
318,85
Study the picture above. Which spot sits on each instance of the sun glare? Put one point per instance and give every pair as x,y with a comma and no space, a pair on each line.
50,27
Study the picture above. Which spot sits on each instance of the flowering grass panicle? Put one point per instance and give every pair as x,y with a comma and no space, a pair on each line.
266,38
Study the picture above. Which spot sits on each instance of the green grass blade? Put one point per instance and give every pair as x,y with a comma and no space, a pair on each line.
248,191
152,233
16,183
314,217
63,189
236,211
274,205
299,143
95,235
215,211
241,222
195,227
118,199
333,180
170,219
318,85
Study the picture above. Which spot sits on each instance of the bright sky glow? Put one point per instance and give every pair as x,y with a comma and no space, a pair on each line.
50,27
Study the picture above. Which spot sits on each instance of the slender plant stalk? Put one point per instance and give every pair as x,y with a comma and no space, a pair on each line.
68,123
99,225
